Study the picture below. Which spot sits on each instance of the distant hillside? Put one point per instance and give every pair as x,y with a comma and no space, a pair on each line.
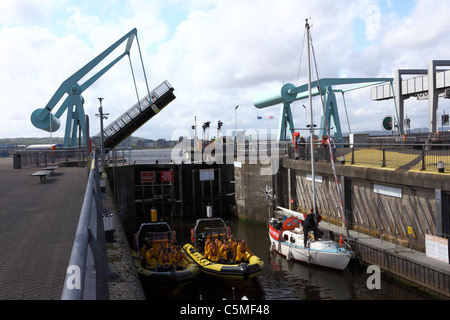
46,140
28,141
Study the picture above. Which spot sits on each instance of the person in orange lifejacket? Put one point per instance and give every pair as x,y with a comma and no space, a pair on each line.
243,253
234,244
144,249
325,147
212,252
165,259
150,257
226,252
218,241
295,137
179,258
206,249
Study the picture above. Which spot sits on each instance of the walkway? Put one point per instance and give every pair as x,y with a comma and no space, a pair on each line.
38,221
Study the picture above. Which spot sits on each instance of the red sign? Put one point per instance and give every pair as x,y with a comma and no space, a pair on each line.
166,176
147,176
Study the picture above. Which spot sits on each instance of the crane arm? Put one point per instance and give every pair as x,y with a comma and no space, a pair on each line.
71,86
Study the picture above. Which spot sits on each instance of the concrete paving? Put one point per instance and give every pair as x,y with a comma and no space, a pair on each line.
38,221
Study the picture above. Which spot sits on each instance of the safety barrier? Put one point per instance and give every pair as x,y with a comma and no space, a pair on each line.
420,157
88,271
426,277
24,158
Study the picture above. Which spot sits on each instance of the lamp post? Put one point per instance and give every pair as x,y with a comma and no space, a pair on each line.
235,122
102,116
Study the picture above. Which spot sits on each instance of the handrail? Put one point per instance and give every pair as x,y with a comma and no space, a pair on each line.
87,272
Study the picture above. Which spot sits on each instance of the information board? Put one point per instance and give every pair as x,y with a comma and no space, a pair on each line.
436,248
147,176
166,176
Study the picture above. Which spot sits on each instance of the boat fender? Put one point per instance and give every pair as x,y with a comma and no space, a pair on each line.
174,236
229,232
135,240
341,241
192,235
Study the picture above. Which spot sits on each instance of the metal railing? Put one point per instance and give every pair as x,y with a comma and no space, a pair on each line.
421,157
45,157
88,271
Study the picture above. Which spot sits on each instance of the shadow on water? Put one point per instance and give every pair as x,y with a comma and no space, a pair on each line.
285,280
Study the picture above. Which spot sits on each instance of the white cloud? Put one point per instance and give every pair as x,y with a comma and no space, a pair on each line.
221,54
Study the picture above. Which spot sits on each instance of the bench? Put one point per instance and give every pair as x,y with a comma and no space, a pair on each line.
42,174
51,168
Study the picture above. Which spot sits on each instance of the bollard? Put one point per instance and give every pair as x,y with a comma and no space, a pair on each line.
102,185
109,226
440,166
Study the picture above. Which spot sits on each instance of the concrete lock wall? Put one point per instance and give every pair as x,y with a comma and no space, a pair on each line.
387,204
250,191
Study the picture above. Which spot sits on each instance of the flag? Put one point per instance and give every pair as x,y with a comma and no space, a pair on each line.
259,118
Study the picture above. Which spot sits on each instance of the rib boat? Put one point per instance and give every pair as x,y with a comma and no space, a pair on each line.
229,271
171,277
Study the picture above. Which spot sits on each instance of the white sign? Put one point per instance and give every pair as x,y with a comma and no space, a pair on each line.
207,175
436,248
387,191
317,179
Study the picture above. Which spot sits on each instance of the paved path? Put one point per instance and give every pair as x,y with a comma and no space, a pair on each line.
38,221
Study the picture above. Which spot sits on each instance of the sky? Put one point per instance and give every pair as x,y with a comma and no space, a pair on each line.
217,54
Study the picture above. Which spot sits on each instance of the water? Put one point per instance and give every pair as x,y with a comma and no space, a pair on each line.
280,279
149,156
283,280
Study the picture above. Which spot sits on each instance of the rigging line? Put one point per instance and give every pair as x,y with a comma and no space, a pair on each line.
346,113
135,86
143,69
330,148
301,57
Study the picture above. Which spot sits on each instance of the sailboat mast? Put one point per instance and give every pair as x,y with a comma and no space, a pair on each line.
313,174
